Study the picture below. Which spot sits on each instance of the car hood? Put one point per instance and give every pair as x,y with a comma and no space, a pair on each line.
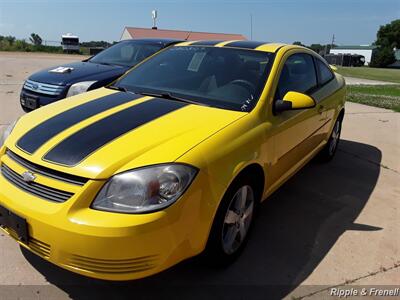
103,132
80,71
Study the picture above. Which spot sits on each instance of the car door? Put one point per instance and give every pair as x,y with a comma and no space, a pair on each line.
295,131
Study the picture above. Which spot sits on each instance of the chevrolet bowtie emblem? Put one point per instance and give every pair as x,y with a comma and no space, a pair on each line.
28,176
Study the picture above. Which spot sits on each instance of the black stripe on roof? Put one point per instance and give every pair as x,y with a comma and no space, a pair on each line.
81,144
245,44
43,132
206,43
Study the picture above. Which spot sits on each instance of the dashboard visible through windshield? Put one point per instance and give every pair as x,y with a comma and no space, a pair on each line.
221,77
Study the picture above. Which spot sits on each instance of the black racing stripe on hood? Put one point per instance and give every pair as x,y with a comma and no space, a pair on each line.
245,44
81,144
43,132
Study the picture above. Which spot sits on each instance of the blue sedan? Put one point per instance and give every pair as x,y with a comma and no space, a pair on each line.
56,83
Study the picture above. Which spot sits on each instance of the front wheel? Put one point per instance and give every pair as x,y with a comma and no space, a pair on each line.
25,109
328,152
232,223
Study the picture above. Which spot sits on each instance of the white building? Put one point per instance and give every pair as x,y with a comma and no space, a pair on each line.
364,50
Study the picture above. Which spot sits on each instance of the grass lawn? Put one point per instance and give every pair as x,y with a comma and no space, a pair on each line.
391,75
385,96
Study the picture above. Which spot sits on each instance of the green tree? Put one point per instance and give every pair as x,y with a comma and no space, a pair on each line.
389,35
103,44
387,39
299,44
317,47
383,57
21,45
10,39
35,39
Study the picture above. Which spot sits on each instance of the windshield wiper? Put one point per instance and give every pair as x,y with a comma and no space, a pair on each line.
102,63
166,95
117,88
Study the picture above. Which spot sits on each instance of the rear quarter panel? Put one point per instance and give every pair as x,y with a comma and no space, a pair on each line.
335,100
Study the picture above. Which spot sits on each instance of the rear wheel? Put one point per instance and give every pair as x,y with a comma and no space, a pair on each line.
232,223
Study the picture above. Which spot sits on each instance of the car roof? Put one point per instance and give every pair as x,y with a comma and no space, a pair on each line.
249,45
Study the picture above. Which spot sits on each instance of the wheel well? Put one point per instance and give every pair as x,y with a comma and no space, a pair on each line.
256,173
341,115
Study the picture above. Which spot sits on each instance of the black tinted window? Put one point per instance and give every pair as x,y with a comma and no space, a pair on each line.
325,73
297,75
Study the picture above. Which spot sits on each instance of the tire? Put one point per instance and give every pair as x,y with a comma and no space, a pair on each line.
232,223
328,152
25,109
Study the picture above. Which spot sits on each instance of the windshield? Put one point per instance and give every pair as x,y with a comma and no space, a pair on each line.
126,53
70,41
221,77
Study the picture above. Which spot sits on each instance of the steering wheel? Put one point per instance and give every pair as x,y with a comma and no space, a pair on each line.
244,83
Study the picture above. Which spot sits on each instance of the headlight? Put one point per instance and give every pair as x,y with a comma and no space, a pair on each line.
146,189
7,132
79,88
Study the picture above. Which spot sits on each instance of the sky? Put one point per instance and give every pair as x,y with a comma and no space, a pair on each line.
353,22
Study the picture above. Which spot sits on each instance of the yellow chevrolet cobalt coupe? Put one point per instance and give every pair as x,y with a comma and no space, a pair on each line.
170,160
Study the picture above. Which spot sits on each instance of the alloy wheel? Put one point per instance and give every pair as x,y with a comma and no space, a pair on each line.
238,219
334,138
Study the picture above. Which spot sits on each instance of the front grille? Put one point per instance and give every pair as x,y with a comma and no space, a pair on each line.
39,247
34,188
43,88
46,171
111,266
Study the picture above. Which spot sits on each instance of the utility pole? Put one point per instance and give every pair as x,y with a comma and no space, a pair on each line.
251,26
154,17
333,40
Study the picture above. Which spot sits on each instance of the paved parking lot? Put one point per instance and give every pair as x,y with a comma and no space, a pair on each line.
331,224
361,81
14,69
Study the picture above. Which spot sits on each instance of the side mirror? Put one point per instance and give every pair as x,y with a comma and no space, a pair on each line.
294,101
334,68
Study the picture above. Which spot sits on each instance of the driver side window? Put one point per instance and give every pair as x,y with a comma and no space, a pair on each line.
297,75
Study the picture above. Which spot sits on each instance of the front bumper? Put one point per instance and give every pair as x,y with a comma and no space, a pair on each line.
32,100
108,245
